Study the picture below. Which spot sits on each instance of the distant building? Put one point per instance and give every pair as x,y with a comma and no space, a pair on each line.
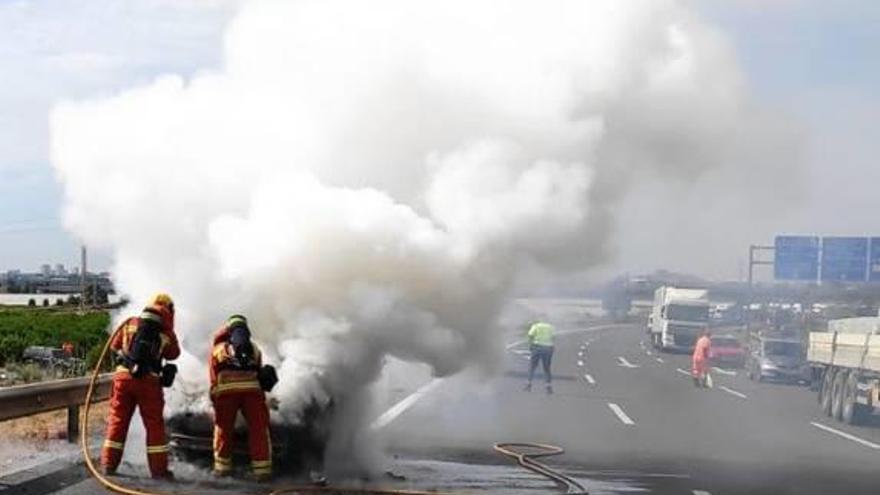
53,281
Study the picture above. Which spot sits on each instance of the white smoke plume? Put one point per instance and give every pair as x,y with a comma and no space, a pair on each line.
365,179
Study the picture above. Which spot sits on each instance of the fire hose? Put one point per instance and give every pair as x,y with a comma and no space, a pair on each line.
526,460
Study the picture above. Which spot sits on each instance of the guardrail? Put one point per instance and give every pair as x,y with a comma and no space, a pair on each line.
26,400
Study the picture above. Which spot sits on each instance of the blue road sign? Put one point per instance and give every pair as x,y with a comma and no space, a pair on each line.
874,260
845,259
796,258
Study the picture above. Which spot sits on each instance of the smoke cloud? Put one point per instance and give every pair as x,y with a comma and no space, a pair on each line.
366,179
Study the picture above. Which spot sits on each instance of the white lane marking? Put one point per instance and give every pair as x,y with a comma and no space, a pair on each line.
589,378
581,354
683,372
734,392
625,363
580,363
397,409
618,411
724,371
701,492
649,353
847,436
659,360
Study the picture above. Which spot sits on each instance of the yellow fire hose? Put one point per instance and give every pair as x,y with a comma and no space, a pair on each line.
526,460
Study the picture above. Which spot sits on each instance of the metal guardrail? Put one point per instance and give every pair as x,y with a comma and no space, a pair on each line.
26,400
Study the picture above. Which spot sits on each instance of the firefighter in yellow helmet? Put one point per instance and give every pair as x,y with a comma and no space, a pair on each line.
239,382
142,344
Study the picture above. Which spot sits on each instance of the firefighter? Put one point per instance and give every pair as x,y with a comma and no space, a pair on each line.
141,344
238,383
700,361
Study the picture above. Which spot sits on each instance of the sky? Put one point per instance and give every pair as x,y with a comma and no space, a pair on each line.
815,63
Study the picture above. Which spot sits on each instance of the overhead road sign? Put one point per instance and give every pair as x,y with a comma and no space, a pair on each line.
874,260
844,259
796,258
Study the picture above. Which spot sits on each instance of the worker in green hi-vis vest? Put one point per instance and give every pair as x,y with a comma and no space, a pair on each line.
541,348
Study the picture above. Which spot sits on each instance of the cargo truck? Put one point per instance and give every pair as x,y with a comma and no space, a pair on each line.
845,364
677,318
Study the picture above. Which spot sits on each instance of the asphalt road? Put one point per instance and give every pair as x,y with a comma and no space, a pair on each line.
630,420
632,417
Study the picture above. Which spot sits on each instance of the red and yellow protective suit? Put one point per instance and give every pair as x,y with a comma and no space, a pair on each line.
234,390
700,359
144,393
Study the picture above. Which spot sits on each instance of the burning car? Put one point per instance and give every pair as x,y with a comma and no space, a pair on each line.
296,448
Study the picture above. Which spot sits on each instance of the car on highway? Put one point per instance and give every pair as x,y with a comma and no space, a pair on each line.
727,351
778,359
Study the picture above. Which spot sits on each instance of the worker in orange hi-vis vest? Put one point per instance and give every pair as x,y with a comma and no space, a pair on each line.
700,361
141,344
238,383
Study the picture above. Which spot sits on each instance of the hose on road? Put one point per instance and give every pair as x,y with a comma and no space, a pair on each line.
526,460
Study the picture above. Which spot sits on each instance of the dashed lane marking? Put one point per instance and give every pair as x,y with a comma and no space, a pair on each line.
734,392
618,411
659,360
847,436
580,363
701,492
589,378
625,363
683,372
724,371
397,409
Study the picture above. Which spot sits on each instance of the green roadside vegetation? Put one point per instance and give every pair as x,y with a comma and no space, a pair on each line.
23,327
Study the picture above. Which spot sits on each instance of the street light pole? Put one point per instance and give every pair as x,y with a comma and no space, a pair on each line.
82,280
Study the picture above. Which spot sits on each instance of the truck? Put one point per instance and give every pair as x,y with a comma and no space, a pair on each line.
845,364
677,318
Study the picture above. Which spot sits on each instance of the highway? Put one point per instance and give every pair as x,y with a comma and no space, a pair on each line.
630,420
631,416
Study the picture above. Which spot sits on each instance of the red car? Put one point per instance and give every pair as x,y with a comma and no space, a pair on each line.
727,351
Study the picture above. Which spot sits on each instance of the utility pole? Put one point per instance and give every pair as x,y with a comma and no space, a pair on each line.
82,280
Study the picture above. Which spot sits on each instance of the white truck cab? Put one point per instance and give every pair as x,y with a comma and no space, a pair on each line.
677,317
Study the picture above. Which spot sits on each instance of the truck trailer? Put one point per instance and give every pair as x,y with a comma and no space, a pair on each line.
845,364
